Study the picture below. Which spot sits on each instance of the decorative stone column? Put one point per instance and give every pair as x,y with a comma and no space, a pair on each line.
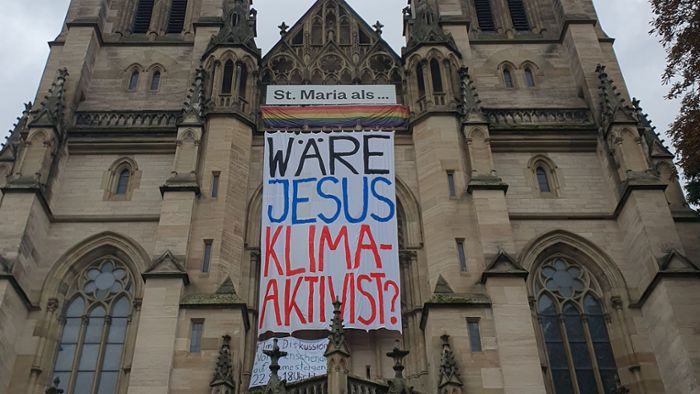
337,354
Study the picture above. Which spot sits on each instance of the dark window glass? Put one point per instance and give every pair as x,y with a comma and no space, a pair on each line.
569,357
543,180
436,76
155,81
421,80
206,258
215,185
461,256
474,334
299,38
484,15
123,181
364,38
142,18
529,77
196,336
242,79
451,183
345,31
227,82
176,20
91,344
518,15
508,78
134,80
317,33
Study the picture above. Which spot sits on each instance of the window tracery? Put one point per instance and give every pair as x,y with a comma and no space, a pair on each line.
95,324
573,327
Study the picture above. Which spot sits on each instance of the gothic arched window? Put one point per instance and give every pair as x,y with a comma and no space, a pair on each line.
176,19
123,182
421,80
134,80
142,17
529,77
155,81
95,322
227,81
242,78
518,15
508,78
542,180
436,75
573,328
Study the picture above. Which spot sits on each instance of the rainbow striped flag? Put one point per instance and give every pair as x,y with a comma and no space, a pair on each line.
372,117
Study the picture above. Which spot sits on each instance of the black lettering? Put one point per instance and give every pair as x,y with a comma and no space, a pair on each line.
308,94
370,96
279,94
278,159
339,155
368,154
316,155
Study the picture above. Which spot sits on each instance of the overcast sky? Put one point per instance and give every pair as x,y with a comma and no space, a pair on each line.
27,26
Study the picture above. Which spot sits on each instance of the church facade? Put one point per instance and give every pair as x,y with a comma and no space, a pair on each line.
545,243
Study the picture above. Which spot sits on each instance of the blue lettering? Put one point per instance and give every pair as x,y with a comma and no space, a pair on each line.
285,185
387,201
296,200
346,199
338,203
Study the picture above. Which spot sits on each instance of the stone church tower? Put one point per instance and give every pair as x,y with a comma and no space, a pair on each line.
546,246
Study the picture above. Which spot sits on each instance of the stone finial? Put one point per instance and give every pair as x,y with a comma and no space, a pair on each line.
470,103
50,111
398,384
612,104
449,371
239,27
53,388
336,339
283,28
425,28
222,382
378,28
275,385
195,106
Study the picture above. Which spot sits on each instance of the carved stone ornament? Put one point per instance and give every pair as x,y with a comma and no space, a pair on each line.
167,265
50,111
425,29
398,384
195,106
222,382
449,371
275,385
239,28
336,339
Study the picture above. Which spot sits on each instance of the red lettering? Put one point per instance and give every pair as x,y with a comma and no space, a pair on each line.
378,276
312,253
287,253
271,294
366,231
349,294
367,295
333,245
290,302
312,280
270,251
322,292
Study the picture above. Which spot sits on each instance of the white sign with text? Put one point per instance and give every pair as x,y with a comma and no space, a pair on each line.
331,94
304,360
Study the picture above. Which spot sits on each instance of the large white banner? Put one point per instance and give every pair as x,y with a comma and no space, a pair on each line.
329,232
304,360
331,94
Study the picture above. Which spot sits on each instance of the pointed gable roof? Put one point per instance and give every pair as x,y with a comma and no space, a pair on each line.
331,44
